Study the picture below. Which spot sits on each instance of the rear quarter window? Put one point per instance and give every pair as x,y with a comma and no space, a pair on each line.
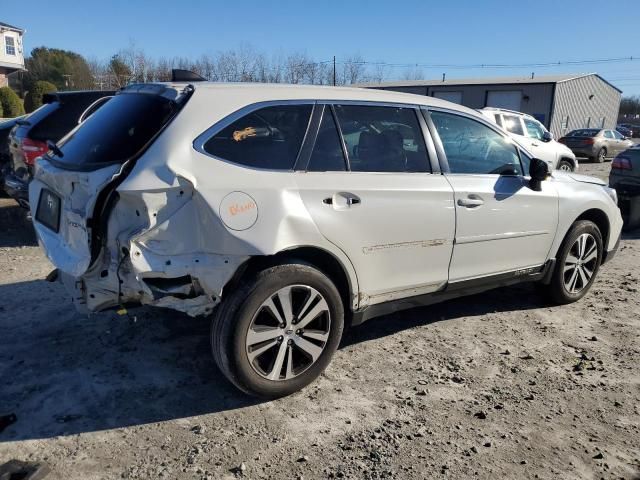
270,137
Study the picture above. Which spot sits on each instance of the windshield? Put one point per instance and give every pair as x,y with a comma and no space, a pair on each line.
584,132
117,131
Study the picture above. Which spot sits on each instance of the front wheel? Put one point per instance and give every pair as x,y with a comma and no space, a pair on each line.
278,330
565,166
577,263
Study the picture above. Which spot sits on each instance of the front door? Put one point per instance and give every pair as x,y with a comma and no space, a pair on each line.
502,225
380,203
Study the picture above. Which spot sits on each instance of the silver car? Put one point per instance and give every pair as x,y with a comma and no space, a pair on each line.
596,144
288,212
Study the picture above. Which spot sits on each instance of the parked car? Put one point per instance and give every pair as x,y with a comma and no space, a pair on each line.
624,131
534,136
633,129
59,114
5,155
597,144
625,178
290,211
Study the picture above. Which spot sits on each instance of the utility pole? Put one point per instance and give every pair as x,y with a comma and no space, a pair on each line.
334,70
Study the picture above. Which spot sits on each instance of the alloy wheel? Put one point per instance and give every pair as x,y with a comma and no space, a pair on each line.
580,263
565,167
288,332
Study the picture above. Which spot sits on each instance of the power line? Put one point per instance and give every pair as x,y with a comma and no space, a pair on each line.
594,61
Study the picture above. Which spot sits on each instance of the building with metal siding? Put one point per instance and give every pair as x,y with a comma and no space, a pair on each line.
561,102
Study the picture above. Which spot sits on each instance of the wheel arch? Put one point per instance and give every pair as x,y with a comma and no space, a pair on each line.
325,261
572,161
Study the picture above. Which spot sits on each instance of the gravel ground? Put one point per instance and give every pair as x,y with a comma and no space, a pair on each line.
498,385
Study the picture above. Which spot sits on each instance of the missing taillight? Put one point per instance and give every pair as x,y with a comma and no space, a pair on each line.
32,149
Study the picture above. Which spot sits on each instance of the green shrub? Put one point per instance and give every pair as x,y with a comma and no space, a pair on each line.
11,103
1,115
33,99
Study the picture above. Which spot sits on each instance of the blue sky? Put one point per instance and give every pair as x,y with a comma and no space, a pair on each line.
439,32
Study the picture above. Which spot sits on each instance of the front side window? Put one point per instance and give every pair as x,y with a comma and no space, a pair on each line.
472,147
9,45
534,129
512,124
327,154
270,137
617,135
383,139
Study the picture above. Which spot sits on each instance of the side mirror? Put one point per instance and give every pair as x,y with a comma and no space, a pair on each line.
538,171
547,136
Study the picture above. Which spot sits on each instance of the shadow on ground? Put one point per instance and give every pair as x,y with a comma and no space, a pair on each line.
16,230
65,373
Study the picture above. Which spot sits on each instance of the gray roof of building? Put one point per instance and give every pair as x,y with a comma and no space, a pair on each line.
481,81
11,27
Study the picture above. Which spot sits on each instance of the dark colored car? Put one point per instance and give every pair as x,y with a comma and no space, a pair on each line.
625,178
634,130
5,155
59,114
625,131
596,143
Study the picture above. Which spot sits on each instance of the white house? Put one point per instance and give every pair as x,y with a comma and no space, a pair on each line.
11,53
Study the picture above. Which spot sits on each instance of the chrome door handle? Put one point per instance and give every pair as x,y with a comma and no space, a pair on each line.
470,202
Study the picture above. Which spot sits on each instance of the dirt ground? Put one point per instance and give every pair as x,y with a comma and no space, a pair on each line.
498,385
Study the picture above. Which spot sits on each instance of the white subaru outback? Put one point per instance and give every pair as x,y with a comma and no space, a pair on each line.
290,211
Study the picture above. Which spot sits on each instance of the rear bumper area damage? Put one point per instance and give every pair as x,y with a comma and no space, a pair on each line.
158,252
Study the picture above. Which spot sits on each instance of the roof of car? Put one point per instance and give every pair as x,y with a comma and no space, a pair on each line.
279,91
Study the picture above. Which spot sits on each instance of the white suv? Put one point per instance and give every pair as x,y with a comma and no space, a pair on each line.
535,138
288,212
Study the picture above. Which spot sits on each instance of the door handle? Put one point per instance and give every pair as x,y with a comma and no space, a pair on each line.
342,200
535,144
470,202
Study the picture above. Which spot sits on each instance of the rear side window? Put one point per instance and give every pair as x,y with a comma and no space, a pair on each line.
383,139
327,154
512,124
267,138
116,131
472,147
608,134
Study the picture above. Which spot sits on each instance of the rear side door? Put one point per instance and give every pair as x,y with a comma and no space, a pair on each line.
371,190
503,227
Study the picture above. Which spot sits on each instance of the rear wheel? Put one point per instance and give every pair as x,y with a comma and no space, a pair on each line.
278,330
565,166
602,155
577,263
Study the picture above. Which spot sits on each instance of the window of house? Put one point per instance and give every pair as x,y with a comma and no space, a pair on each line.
267,138
534,129
565,123
513,124
327,154
383,139
9,45
472,147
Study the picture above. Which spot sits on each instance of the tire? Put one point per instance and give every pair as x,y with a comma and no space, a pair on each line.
252,317
568,284
601,156
565,166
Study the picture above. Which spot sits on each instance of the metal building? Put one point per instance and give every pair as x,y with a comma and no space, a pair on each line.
561,102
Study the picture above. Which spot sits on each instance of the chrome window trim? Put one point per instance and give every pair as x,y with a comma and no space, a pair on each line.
204,137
